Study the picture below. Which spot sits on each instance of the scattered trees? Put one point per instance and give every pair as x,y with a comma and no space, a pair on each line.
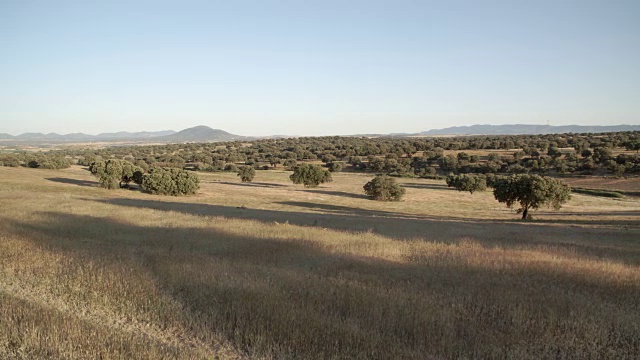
310,175
246,173
10,160
530,192
384,188
49,162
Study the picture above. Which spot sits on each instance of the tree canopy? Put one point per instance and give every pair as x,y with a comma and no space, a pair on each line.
113,173
310,175
246,173
531,192
465,182
384,188
171,181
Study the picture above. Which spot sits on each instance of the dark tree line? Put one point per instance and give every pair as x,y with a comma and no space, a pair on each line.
556,154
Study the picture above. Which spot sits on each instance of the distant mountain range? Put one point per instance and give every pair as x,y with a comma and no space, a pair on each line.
87,137
205,134
522,129
198,133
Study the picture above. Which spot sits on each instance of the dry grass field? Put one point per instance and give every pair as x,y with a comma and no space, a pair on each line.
273,270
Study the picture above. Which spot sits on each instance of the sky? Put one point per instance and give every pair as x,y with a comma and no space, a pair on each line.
316,67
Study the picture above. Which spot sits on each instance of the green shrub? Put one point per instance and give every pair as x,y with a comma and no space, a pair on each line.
310,175
10,160
170,181
466,182
335,166
49,162
384,188
115,174
246,173
231,167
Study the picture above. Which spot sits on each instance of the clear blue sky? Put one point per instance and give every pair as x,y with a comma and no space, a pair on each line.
316,67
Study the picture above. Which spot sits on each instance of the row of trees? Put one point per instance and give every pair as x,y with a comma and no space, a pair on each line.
35,160
542,154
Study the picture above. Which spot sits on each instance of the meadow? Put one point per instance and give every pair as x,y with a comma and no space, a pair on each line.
272,270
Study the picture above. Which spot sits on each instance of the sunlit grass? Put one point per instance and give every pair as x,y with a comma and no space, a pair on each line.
273,270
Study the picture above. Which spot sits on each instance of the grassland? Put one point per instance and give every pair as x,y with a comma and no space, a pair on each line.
272,270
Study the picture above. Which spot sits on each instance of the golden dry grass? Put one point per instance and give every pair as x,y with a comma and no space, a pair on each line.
273,270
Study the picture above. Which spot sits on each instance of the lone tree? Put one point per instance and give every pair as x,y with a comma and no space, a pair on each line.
310,175
246,173
465,182
384,188
531,191
170,181
114,173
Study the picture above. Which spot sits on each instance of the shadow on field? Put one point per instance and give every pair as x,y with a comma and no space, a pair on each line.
603,213
337,193
576,240
252,184
291,299
427,186
73,181
629,193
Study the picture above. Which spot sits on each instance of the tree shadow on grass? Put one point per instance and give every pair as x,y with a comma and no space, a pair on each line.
74,181
599,213
337,193
427,186
291,299
253,184
583,241
629,193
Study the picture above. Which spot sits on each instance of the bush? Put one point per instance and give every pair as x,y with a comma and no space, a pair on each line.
170,181
231,167
49,162
310,175
470,183
290,164
246,173
88,160
10,160
384,188
335,166
113,173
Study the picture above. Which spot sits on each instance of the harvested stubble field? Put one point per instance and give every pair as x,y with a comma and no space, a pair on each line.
272,270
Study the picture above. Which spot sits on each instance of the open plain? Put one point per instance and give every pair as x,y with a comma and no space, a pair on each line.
269,269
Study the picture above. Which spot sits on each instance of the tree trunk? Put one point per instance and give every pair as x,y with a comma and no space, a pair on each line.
524,213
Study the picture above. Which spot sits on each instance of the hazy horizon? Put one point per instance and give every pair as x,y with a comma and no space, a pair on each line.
316,68
296,135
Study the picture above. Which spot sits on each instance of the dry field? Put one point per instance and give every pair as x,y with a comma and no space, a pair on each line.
272,270
628,186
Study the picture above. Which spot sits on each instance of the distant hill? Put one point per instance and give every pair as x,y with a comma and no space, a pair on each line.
523,129
134,135
200,133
